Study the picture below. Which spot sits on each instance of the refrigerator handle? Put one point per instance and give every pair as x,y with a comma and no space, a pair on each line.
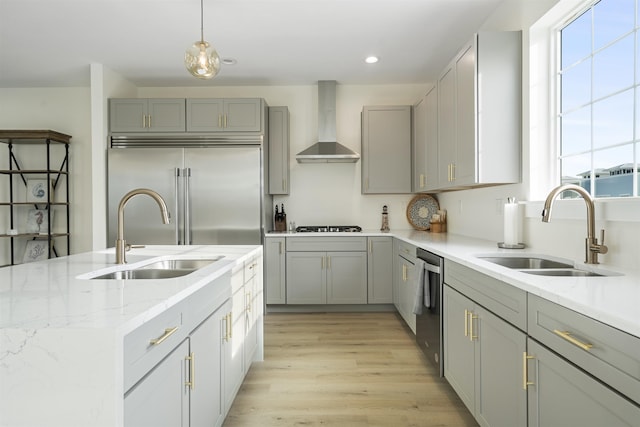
176,204
187,207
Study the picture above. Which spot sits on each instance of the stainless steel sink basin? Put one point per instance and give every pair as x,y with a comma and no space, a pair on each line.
181,264
145,273
571,272
521,263
164,269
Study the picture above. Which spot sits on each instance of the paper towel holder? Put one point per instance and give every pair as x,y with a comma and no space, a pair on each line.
511,221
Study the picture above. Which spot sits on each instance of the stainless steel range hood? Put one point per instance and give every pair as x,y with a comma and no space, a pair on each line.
327,149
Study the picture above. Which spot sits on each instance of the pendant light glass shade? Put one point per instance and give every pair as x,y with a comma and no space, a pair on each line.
201,59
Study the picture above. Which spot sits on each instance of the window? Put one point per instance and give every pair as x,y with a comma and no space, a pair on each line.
599,99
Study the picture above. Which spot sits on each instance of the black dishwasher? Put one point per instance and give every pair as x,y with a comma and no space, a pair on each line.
429,323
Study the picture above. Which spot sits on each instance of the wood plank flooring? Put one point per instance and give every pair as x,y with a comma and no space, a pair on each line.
347,370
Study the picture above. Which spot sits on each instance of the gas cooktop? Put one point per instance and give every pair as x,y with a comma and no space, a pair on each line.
328,229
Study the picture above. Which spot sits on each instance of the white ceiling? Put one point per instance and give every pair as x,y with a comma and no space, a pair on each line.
52,42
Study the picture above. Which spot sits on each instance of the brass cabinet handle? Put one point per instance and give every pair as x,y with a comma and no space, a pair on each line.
322,263
471,318
219,120
191,359
453,171
525,381
404,272
144,121
248,296
567,336
149,121
466,322
226,326
421,180
167,333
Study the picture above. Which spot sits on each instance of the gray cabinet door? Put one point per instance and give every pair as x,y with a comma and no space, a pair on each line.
446,127
346,277
161,399
380,270
386,149
459,349
407,292
431,140
278,150
243,115
128,115
207,406
563,395
419,155
306,278
275,270
224,115
166,115
466,117
205,115
147,115
500,399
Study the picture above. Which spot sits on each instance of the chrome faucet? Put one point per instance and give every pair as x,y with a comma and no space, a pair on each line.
592,248
121,244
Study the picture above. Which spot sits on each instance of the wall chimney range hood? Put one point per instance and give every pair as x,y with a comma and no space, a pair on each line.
327,149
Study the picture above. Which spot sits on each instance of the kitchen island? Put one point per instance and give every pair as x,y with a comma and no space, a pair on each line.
66,353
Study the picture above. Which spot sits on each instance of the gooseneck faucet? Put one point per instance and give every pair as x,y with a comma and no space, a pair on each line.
121,244
592,248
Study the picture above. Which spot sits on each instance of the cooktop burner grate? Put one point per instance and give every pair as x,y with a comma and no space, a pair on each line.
328,229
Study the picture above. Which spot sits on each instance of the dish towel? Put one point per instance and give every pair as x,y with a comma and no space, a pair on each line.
423,293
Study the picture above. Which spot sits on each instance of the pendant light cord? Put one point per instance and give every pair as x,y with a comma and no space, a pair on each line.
202,21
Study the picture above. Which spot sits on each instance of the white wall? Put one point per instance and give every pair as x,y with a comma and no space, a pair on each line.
64,110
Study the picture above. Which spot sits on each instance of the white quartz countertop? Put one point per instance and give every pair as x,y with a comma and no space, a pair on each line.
610,299
58,294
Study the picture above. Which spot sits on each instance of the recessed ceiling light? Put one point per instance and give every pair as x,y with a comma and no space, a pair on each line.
371,59
229,61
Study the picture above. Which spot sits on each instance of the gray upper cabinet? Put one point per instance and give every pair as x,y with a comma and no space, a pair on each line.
479,119
278,150
386,149
425,142
147,115
225,115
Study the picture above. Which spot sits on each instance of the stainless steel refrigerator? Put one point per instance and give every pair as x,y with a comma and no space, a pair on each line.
215,192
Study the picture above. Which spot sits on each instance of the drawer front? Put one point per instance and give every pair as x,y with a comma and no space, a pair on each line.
141,354
315,244
406,249
607,353
502,299
250,268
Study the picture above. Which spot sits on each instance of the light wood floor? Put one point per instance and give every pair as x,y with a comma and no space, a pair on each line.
347,370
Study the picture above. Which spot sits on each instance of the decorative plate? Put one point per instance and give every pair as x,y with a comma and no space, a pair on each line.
420,209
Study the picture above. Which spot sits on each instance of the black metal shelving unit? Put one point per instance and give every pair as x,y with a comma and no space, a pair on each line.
57,175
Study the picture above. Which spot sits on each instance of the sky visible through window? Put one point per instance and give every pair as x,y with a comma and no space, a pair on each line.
599,99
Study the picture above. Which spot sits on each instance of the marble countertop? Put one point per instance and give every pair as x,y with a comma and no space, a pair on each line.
611,299
58,294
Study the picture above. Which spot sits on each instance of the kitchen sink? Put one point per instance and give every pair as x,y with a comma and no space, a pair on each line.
571,272
163,269
521,263
542,266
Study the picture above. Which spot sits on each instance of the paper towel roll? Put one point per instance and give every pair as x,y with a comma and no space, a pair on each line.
511,223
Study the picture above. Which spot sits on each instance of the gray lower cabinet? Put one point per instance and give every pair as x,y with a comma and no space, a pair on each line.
326,270
483,361
161,399
380,270
147,115
168,396
560,394
275,272
404,282
386,149
234,366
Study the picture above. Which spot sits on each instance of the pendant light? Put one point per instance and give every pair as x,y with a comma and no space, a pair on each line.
201,59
